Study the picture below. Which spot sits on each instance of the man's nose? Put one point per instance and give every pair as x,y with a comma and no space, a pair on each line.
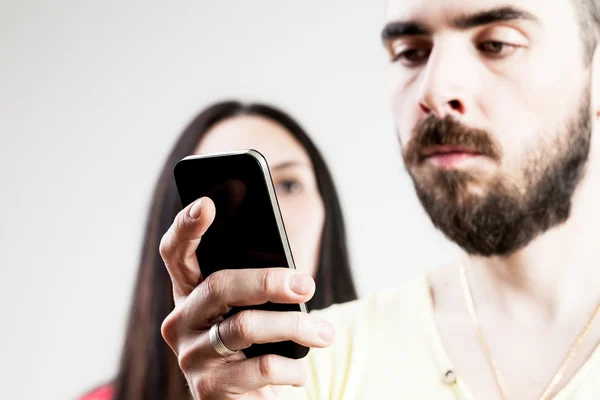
447,84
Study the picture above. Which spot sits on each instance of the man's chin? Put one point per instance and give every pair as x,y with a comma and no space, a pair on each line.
479,217
453,186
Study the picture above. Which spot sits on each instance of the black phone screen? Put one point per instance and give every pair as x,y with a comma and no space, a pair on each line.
246,231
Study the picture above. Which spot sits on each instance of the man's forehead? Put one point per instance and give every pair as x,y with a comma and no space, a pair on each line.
440,11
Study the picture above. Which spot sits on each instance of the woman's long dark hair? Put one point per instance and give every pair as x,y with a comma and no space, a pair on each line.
149,369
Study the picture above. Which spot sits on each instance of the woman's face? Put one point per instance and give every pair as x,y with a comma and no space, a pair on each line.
293,176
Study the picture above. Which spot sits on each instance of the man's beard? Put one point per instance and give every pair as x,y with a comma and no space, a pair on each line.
504,219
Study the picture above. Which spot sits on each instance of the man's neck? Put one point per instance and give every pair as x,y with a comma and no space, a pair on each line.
556,273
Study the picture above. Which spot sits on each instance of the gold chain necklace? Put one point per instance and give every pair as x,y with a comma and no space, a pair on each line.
499,381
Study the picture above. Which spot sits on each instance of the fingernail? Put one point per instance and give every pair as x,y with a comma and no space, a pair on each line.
196,209
326,332
301,284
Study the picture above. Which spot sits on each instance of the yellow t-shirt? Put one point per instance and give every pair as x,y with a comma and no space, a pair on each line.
387,347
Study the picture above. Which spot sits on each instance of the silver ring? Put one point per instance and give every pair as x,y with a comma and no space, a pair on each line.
217,343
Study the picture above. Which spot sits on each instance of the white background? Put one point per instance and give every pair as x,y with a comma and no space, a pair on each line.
92,95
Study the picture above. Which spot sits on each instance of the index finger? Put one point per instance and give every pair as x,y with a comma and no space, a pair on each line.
178,246
225,289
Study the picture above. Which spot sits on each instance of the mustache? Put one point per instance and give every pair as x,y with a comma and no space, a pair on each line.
448,131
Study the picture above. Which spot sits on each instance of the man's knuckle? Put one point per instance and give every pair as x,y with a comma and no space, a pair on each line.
165,247
186,360
169,328
211,287
204,386
266,367
242,324
270,279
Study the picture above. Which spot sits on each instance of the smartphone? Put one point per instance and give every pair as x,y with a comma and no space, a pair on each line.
248,230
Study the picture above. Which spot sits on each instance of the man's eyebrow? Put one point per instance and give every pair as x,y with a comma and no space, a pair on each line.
398,29
486,17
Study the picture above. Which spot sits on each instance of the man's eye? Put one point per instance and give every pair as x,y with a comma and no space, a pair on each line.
412,57
495,48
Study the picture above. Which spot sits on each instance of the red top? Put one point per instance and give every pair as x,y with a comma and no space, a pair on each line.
102,393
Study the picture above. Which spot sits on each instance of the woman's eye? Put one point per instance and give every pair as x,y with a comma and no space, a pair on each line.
288,186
